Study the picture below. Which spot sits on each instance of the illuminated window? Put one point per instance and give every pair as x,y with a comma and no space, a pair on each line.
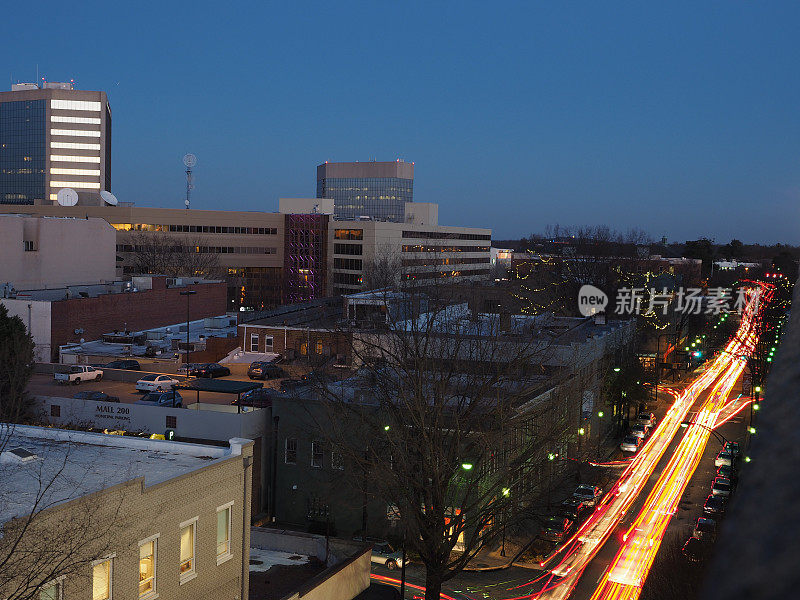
75,184
52,591
83,120
224,533
102,571
74,146
147,567
188,535
304,349
74,105
349,234
75,132
79,159
91,172
319,348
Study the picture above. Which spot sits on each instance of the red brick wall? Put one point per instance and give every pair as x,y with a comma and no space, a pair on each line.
136,311
334,342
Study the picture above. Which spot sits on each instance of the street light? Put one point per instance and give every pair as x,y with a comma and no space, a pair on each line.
720,438
187,293
466,466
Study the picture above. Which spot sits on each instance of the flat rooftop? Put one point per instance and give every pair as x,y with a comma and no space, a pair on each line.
79,463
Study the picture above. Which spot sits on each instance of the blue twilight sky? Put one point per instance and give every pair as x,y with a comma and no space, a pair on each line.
680,119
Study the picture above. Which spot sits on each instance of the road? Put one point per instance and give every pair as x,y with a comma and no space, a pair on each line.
622,562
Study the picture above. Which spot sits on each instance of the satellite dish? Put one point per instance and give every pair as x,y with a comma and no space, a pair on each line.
109,198
67,197
189,160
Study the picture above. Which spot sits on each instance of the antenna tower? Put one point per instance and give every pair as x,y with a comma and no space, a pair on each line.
189,160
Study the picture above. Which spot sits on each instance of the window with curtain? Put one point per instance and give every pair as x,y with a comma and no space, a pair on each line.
187,549
147,568
224,532
101,580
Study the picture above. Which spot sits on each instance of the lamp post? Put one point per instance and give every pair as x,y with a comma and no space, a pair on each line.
506,493
720,438
188,294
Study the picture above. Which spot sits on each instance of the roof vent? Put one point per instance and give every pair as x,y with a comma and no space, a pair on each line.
17,455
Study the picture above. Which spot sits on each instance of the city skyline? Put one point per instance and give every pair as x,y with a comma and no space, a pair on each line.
516,119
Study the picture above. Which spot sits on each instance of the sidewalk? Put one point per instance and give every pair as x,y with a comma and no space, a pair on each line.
516,549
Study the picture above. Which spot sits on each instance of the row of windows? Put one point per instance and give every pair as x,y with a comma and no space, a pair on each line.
423,248
410,262
103,570
317,454
351,249
75,132
347,278
75,105
349,234
74,146
81,120
79,159
90,185
91,172
446,235
212,249
21,171
437,274
353,264
195,228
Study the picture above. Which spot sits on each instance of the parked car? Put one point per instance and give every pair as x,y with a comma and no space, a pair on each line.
725,459
575,509
631,443
640,431
732,447
721,487
260,398
383,553
168,399
714,507
589,494
704,528
264,370
646,418
125,364
728,472
556,528
693,549
78,373
187,367
156,383
210,370
96,396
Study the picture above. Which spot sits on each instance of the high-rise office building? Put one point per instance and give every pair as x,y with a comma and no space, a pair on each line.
378,190
52,137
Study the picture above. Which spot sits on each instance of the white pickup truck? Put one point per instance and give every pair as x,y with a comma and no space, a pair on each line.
79,373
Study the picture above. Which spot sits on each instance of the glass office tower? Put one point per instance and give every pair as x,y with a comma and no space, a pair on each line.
23,154
378,190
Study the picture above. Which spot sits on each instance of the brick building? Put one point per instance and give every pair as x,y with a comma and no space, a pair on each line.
151,519
66,315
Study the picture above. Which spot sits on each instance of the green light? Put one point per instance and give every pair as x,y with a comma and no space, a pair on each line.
687,348
756,407
581,431
466,466
758,388
600,414
506,491
551,456
752,430
746,459
616,369
769,359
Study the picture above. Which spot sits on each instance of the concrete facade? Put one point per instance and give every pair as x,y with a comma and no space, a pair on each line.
76,141
250,245
49,253
171,486
365,254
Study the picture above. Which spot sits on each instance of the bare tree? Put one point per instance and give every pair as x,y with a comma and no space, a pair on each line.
451,421
165,254
383,270
48,528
